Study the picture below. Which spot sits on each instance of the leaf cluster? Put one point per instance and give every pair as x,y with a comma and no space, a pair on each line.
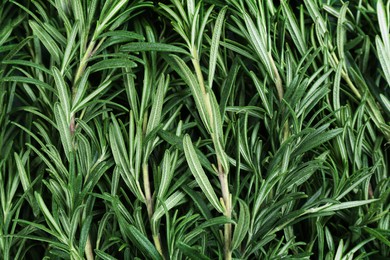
194,129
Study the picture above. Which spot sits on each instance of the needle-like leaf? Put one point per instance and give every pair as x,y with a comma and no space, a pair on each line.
199,174
215,45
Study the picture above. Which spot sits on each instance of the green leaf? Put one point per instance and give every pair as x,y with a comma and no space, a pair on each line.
384,58
199,174
24,177
50,219
336,89
217,221
142,242
197,31
348,204
293,29
91,97
121,157
386,102
53,242
383,23
104,255
186,74
263,93
199,202
315,139
110,9
242,226
112,64
26,182
28,64
47,41
191,252
86,225
131,92
174,200
80,88
341,31
157,104
238,48
215,45
218,134
63,93
27,80
228,86
69,50
167,173
258,44
340,250
63,126
5,33
128,35
152,46
379,234
316,16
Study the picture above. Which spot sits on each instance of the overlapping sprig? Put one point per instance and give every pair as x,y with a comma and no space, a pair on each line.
194,130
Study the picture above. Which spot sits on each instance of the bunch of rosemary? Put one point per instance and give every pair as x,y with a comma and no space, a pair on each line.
194,129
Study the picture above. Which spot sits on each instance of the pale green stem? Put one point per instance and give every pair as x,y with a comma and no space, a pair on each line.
376,115
157,243
80,71
278,80
148,194
279,89
199,75
90,51
83,64
222,174
228,213
88,249
345,76
145,173
149,206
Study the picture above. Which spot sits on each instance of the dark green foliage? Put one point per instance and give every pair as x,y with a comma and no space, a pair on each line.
194,129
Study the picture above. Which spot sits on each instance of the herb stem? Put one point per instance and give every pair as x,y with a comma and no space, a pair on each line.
221,172
148,194
228,213
88,249
149,206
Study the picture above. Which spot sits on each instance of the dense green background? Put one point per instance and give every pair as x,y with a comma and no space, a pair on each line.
194,130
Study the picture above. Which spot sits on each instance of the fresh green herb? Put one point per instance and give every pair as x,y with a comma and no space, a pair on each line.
194,129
